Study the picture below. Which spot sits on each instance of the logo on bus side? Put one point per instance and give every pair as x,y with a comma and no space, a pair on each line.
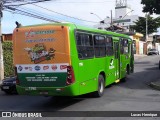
54,67
111,66
37,68
20,68
63,67
45,67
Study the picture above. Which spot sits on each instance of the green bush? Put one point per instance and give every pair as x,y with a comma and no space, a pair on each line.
8,58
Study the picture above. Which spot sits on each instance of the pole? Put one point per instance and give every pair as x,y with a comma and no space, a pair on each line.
146,26
96,15
1,50
112,21
126,14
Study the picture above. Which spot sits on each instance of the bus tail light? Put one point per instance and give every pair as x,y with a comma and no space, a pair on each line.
70,75
17,81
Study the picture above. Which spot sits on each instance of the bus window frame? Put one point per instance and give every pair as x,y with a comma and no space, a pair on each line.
111,46
78,53
122,43
99,35
93,34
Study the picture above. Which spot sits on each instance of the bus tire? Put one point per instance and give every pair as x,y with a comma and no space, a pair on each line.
128,70
101,86
127,73
123,80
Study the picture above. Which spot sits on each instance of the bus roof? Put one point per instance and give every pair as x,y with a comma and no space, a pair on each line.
79,27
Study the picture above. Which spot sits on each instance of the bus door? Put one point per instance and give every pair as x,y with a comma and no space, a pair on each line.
117,59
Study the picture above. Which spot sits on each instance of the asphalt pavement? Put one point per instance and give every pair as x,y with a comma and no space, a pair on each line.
155,84
139,56
132,95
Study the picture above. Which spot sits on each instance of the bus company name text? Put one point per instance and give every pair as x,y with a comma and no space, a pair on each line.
40,40
32,33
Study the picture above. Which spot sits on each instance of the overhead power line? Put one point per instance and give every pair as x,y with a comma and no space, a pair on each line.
64,14
85,1
40,16
22,2
27,13
11,9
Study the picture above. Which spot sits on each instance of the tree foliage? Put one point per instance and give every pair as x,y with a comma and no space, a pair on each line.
8,58
153,24
151,6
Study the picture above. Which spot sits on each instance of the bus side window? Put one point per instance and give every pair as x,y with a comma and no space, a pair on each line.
99,45
122,46
134,47
84,45
109,46
129,48
126,46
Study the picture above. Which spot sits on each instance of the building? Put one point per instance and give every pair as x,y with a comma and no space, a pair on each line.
123,17
7,37
121,23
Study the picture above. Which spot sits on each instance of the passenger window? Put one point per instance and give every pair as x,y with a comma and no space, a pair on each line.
99,45
109,46
124,46
84,45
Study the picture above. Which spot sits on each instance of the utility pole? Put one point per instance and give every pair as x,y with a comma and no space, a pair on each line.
146,27
112,26
1,15
1,50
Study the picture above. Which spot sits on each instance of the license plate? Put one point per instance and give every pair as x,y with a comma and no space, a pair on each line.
5,87
43,93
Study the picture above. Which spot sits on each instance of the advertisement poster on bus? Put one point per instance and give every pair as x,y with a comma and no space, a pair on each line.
41,52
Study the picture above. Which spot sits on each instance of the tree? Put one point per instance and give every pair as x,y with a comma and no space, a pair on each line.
151,6
153,24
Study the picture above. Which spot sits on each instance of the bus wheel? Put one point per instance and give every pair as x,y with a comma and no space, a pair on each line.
101,87
127,70
127,73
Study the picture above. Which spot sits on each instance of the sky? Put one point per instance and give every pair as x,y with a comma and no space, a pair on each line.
80,9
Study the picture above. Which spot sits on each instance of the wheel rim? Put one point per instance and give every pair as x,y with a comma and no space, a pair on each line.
101,88
126,71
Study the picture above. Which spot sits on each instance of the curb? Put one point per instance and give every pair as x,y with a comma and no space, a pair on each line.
154,85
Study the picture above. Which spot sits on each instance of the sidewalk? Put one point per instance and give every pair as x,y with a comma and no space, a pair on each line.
155,85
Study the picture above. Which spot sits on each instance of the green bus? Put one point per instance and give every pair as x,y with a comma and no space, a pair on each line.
64,59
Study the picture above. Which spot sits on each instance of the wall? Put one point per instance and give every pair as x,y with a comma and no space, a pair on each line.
7,37
139,44
157,46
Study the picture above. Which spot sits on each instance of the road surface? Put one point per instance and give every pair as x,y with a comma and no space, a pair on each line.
133,95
